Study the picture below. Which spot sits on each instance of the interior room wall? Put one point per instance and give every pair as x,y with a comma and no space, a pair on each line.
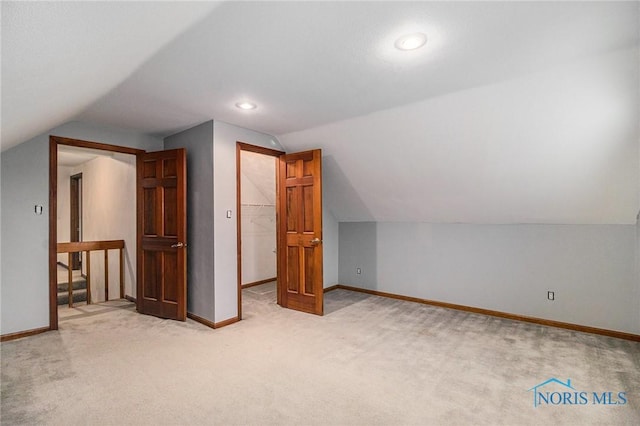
109,213
64,193
330,236
25,235
358,254
258,216
225,137
198,142
636,317
508,268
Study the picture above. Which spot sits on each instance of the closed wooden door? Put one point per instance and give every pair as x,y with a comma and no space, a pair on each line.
162,234
300,231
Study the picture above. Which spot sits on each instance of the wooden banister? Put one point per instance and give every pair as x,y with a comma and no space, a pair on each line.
88,247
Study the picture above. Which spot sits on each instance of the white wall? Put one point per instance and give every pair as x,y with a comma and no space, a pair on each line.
258,216
507,268
109,213
25,236
225,137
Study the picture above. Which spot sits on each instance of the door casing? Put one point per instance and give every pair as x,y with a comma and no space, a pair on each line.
241,146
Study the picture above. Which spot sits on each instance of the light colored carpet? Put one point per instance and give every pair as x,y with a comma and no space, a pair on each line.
81,309
369,360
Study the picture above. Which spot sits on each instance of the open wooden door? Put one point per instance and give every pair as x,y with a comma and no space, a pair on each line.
300,231
162,234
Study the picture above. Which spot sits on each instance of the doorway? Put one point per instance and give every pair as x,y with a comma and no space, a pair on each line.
257,224
66,220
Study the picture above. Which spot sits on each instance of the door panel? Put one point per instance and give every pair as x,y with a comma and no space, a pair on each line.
75,213
162,234
300,231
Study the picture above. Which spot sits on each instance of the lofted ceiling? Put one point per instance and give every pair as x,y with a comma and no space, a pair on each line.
498,119
72,156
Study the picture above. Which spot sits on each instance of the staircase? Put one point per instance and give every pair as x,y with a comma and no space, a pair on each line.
79,291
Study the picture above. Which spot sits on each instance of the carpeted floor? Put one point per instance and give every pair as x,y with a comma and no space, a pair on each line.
81,309
369,360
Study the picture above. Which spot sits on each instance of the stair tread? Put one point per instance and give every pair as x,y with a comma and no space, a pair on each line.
79,284
79,295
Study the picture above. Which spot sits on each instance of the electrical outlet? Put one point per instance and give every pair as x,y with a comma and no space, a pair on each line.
551,295
358,271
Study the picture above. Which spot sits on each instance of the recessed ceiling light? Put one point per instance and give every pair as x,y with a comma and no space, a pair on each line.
246,105
411,41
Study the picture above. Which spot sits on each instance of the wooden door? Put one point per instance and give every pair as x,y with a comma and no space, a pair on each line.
162,234
75,214
300,231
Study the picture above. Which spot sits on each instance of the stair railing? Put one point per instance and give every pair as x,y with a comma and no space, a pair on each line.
88,247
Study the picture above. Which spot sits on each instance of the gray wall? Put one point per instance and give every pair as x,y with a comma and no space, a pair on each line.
225,137
25,236
358,249
636,316
199,144
509,268
25,250
330,246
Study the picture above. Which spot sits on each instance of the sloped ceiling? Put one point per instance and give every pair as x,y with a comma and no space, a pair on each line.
513,112
59,57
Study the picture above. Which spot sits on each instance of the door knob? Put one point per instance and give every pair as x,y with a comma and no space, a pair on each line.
178,245
316,241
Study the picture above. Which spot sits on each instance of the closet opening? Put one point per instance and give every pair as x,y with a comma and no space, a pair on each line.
257,228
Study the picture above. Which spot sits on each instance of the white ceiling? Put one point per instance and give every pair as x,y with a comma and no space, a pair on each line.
326,73
59,57
72,156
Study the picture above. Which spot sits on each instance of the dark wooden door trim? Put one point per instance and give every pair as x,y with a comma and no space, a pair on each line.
241,146
54,142
75,217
